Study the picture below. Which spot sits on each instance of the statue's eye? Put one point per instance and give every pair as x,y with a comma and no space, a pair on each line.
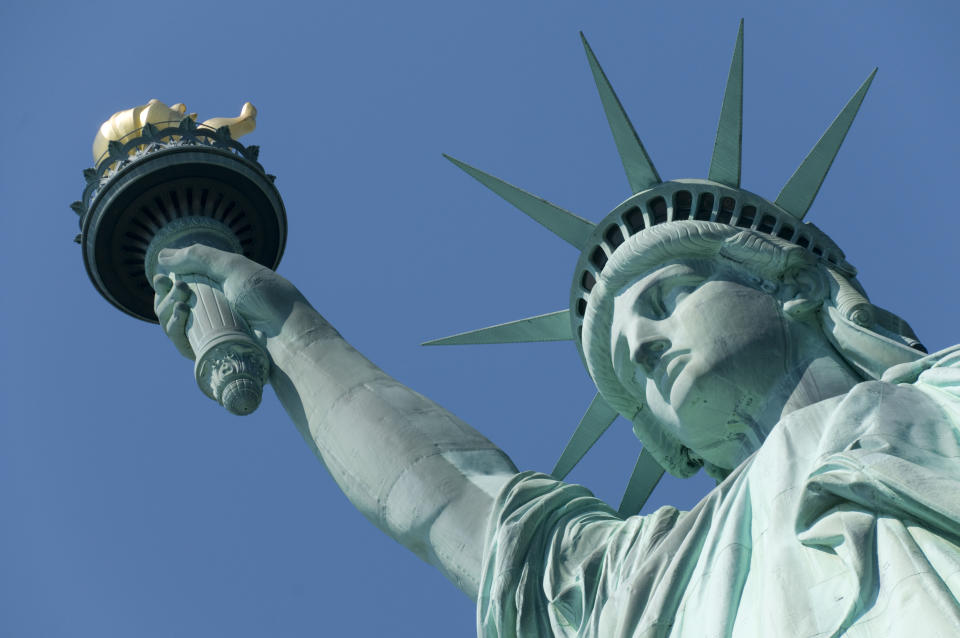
658,299
671,292
676,295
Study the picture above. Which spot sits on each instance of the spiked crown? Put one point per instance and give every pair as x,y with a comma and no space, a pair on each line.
717,199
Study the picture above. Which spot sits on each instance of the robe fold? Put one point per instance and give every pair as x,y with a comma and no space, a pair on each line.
846,522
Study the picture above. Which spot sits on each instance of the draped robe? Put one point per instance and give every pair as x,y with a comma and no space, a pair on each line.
846,522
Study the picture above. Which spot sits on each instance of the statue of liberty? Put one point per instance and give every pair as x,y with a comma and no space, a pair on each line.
736,339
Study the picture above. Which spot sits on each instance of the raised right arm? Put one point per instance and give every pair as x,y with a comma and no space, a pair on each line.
415,470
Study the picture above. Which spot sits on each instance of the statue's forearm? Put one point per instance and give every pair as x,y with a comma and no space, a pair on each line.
415,470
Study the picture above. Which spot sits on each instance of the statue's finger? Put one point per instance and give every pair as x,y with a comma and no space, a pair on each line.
176,325
164,308
162,285
161,288
180,291
176,328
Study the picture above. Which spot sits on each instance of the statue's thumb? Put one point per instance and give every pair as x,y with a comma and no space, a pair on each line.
183,261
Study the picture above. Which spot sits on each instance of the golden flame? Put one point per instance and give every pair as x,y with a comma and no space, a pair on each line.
123,123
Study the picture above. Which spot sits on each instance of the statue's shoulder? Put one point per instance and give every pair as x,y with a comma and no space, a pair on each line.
912,413
935,369
925,392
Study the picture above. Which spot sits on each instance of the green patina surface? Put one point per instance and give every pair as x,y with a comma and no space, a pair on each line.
737,340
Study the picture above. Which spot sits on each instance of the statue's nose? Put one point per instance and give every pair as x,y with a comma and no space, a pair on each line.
646,351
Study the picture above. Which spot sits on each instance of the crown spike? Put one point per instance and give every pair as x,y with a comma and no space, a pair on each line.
727,149
641,173
801,189
554,326
646,475
597,419
562,223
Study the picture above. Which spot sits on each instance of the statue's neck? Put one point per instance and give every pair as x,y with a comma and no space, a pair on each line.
820,374
815,372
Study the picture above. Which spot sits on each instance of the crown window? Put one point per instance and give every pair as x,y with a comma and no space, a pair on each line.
747,215
725,214
634,220
704,207
785,232
767,222
682,202
598,258
659,208
588,281
613,236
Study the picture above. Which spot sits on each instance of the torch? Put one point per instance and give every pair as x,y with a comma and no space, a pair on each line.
160,180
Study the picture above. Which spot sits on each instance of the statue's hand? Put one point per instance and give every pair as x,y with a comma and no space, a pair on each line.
262,297
170,306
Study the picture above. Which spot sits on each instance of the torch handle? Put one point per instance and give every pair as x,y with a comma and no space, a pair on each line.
231,367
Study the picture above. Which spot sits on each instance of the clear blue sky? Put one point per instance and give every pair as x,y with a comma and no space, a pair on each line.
131,505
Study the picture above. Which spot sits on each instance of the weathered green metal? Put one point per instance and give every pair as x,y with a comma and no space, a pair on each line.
596,420
727,149
646,474
719,200
731,350
641,173
562,223
554,326
802,187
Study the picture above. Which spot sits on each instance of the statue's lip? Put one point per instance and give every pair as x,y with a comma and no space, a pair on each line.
669,368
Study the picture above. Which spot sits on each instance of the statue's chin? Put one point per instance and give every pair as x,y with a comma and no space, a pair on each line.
730,452
710,421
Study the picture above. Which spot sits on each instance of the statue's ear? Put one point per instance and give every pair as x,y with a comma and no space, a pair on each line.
803,289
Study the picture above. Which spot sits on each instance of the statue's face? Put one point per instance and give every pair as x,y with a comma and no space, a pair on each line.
704,349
